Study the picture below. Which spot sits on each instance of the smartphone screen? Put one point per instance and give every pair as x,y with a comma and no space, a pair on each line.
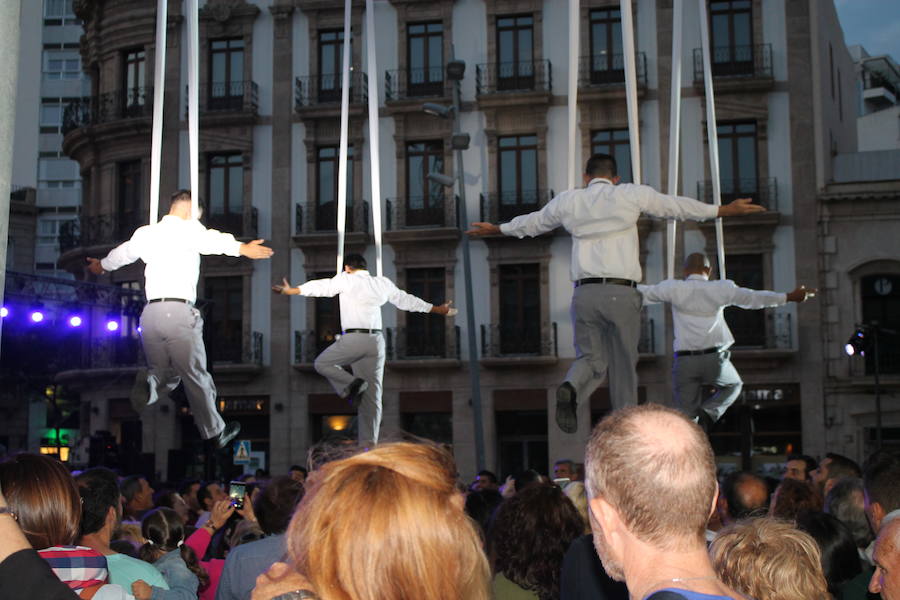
562,481
236,491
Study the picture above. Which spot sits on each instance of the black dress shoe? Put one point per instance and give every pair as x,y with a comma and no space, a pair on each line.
224,438
355,391
565,408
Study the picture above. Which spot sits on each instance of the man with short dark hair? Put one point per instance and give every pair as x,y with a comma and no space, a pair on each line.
602,219
297,473
485,480
101,513
273,509
846,501
833,468
882,487
799,466
207,496
651,483
137,496
171,326
564,469
361,346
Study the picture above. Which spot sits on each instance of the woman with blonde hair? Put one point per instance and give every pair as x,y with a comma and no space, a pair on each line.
387,524
769,559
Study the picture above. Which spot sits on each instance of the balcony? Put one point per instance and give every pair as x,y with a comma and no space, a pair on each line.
879,92
500,207
322,93
236,361
308,344
737,67
414,84
502,346
133,103
421,212
647,341
605,70
323,218
99,230
527,81
244,226
768,336
416,345
229,97
762,191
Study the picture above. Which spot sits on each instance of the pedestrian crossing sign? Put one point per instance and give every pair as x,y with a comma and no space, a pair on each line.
242,452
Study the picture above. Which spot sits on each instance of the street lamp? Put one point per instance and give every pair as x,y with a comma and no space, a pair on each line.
456,70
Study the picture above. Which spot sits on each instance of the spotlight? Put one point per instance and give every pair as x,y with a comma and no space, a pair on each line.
112,321
4,312
75,321
36,315
856,344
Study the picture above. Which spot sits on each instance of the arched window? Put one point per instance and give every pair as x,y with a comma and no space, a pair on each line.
880,302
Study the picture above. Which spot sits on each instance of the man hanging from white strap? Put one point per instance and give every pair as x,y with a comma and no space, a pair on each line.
602,219
361,346
171,327
702,337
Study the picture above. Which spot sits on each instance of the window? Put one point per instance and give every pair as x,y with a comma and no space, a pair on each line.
226,318
62,64
831,67
737,160
424,198
747,326
226,74
331,65
58,174
731,34
327,188
617,144
518,181
130,188
134,65
881,304
48,230
425,43
520,309
426,333
515,52
606,46
522,441
225,183
51,114
328,317
59,12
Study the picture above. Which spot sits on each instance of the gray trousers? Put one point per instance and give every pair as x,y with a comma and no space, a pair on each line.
607,323
364,352
691,373
172,336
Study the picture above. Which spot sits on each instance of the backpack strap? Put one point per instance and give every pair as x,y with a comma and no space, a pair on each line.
89,592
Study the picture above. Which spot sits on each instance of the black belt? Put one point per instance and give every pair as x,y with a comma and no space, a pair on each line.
170,300
696,352
608,280
362,331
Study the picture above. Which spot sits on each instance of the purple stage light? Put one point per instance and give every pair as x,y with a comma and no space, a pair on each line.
112,325
36,316
75,321
4,312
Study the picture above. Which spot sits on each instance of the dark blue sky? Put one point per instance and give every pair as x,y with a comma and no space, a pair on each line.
875,24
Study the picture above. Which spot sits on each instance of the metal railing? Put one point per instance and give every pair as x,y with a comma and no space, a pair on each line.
776,332
522,76
326,89
762,191
503,340
253,349
229,96
873,80
309,343
421,212
402,84
131,103
323,218
752,61
99,230
244,225
609,69
503,206
404,343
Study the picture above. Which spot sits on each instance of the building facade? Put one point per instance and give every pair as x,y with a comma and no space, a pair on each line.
269,134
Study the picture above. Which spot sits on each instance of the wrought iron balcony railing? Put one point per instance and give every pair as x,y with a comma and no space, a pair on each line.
229,96
609,69
403,84
131,103
505,340
323,218
244,225
762,191
754,61
99,230
776,332
248,351
309,343
499,207
326,89
421,212
647,341
404,343
510,77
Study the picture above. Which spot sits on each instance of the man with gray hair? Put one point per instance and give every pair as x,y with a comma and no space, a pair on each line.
635,457
702,337
846,502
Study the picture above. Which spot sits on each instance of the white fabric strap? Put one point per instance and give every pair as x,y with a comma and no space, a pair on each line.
159,88
193,47
342,154
574,10
634,135
374,158
674,131
711,133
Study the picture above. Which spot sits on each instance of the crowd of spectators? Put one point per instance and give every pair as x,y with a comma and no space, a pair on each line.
645,516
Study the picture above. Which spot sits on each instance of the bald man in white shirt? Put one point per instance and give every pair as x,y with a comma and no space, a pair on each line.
702,337
361,346
602,219
171,327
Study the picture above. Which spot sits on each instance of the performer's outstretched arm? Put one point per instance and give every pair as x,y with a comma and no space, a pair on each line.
315,288
123,254
533,224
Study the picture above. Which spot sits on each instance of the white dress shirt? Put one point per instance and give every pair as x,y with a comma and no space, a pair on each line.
602,219
698,308
171,250
361,297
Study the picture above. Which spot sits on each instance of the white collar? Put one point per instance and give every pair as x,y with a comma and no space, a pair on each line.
600,180
696,277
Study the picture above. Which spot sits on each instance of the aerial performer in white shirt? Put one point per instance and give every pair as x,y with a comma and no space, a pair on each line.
702,337
171,327
361,346
602,219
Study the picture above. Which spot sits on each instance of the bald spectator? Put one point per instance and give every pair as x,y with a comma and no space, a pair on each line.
799,466
886,578
882,488
651,480
833,468
743,494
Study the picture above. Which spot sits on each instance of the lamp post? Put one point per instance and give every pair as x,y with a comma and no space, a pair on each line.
460,141
864,338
